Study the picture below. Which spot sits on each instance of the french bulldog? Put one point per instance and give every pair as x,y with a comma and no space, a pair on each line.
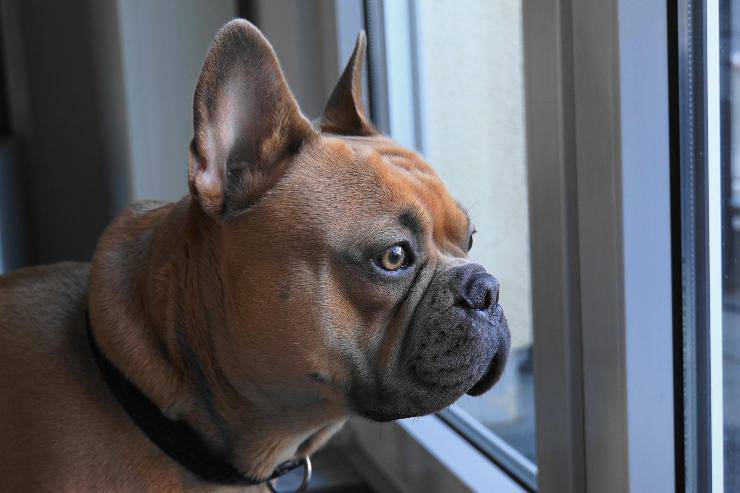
314,272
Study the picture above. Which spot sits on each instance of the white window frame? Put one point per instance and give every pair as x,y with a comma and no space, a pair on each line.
714,223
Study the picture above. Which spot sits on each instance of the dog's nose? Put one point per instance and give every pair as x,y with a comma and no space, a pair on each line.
480,291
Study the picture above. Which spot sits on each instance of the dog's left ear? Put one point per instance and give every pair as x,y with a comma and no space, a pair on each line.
246,122
345,113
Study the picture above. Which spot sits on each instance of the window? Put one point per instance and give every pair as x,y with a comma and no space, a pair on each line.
550,122
456,93
710,221
471,107
708,127
729,107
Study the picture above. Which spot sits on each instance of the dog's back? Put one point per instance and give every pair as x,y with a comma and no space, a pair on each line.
41,310
57,413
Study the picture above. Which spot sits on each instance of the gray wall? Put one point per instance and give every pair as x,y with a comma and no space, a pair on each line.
53,58
304,37
101,99
163,44
100,95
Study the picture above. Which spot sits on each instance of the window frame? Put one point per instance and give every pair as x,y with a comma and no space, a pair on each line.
402,114
598,145
622,131
698,151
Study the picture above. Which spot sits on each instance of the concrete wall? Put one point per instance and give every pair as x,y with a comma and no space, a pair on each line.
471,78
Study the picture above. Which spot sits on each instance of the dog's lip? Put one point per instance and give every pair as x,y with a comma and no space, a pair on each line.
498,362
490,377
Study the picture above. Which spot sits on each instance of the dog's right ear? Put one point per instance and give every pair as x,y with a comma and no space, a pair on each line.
345,113
246,122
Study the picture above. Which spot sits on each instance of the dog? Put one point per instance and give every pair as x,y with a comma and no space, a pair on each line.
314,272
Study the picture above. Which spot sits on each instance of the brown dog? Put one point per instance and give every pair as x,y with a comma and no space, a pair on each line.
314,272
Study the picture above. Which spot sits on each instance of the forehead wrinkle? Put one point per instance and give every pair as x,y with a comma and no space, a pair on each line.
409,181
465,212
410,219
415,184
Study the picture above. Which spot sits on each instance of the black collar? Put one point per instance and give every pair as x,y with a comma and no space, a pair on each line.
175,438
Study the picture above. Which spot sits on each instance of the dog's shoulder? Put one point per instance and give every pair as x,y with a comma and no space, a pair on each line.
63,275
42,298
61,271
42,310
41,313
59,421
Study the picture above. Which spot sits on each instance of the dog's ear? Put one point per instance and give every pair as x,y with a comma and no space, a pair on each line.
246,122
345,113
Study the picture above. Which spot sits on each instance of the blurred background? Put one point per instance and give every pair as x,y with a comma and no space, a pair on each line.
95,106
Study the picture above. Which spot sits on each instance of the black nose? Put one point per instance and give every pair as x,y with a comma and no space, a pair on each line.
480,291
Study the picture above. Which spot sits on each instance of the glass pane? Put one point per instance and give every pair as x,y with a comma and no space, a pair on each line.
730,135
470,92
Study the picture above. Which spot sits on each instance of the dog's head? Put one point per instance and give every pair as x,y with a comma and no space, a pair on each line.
344,257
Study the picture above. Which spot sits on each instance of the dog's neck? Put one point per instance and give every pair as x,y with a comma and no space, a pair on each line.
155,296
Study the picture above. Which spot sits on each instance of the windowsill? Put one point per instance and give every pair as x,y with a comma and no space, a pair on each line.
424,454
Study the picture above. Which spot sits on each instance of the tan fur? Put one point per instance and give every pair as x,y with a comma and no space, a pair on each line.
250,326
160,273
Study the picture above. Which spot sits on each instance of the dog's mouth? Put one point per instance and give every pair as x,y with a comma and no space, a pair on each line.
448,351
498,361
467,355
423,397
493,374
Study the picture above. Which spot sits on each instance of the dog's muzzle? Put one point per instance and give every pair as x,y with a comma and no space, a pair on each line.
459,339
457,342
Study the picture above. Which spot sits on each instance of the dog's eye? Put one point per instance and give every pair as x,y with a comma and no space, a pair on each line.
394,258
470,241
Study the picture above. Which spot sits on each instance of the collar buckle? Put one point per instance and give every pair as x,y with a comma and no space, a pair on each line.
305,462
178,439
